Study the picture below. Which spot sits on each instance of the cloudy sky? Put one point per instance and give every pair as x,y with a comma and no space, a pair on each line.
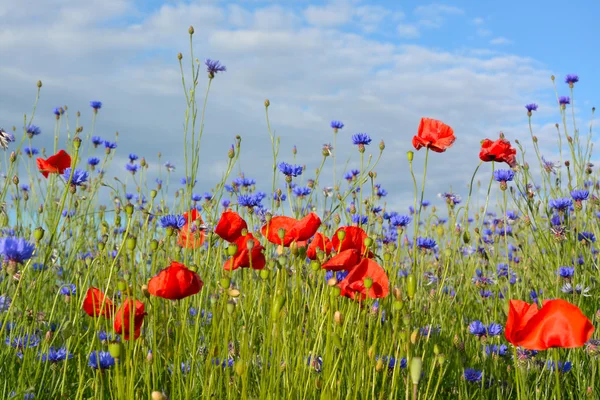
377,66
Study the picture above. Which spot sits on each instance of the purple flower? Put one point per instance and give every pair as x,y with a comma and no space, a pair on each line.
472,375
54,355
132,157
133,168
16,249
213,67
79,176
301,192
561,204
426,243
400,221
93,161
97,141
361,139
571,79
110,145
33,130
531,107
503,175
96,105
172,221
169,166
580,195
30,151
587,237
101,360
564,100
566,272
335,125
290,170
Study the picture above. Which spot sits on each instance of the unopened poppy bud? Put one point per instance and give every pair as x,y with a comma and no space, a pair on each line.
368,282
466,237
416,367
411,285
379,366
77,142
341,235
397,293
387,256
233,293
230,307
13,157
410,155
232,249
368,242
121,286
281,233
131,242
129,209
15,180
145,291
225,282
115,349
398,305
38,233
278,303
336,291
294,248
156,395
382,145
264,274
338,317
439,230
191,30
101,246
267,103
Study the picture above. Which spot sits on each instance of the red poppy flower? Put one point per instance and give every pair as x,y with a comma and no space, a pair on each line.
557,324
175,282
295,230
123,315
345,261
434,135
354,284
500,151
244,255
230,226
354,239
319,242
191,236
97,304
56,164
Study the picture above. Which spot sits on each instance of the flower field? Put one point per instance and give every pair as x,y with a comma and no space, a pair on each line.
296,284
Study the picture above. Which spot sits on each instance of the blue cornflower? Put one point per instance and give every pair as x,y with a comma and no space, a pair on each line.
132,157
279,197
400,221
225,363
25,188
16,249
101,360
484,293
23,342
566,272
503,175
129,196
481,279
54,355
172,221
96,105
30,151
186,181
242,181
133,168
376,209
300,191
562,367
213,67
477,328
68,290
429,330
361,139
290,170
37,267
170,166
472,375
348,176
93,161
79,176
564,100
58,111
4,303
97,141
587,237
225,203
571,79
249,200
561,204
451,198
335,125
196,197
207,196
339,275
501,350
110,145
33,130
426,243
425,203
380,191
534,295
580,195
360,219
512,215
531,107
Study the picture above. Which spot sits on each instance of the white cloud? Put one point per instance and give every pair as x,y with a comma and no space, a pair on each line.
434,15
500,41
408,31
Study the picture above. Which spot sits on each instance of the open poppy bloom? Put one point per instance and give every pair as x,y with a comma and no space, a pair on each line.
434,135
97,304
230,226
123,318
354,238
366,273
175,282
319,242
294,230
56,164
248,255
191,236
557,324
499,150
344,261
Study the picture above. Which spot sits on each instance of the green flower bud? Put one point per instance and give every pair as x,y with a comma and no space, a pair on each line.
264,274
115,349
122,286
230,307
232,249
398,305
368,282
411,286
278,303
153,193
410,155
341,235
129,209
368,242
38,233
466,237
315,265
154,245
225,282
130,243
281,233
416,367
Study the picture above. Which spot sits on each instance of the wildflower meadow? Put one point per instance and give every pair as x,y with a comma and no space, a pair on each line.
296,284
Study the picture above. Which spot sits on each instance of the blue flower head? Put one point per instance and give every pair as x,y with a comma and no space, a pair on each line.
361,139
571,79
68,289
172,221
400,221
97,141
335,125
213,67
503,175
426,243
33,130
473,375
531,107
54,355
580,195
96,105
561,204
290,170
133,168
101,360
564,100
301,192
30,151
110,145
93,161
566,272
132,157
587,237
16,249
79,176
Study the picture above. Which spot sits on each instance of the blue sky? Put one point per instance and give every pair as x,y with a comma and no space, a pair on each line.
377,66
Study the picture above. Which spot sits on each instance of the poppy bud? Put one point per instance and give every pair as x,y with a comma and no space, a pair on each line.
267,103
131,242
225,282
338,317
439,230
294,248
101,246
232,249
410,155
129,209
179,56
336,291
13,157
281,233
381,145
122,286
368,282
466,237
368,242
387,256
436,349
191,30
416,366
145,291
115,349
337,220
379,366
77,142
341,235
156,395
230,307
15,180
397,294
38,233
264,274
411,286
398,305
153,244
278,303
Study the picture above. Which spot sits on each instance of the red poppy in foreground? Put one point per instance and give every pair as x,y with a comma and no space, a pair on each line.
344,261
557,324
320,242
434,135
191,235
175,282
294,230
367,279
123,318
499,150
230,226
249,254
97,304
353,238
56,164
